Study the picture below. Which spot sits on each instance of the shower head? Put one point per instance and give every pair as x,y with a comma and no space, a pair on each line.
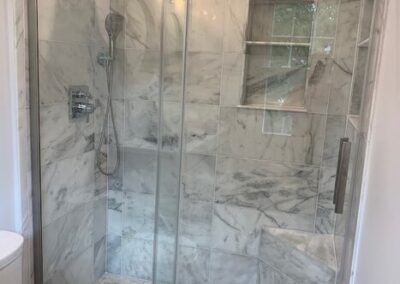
113,25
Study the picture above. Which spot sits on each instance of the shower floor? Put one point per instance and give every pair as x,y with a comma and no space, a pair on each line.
117,279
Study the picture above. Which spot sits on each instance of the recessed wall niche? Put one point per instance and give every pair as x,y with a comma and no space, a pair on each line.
278,45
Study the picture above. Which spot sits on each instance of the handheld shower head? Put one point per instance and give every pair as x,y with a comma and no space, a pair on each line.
113,25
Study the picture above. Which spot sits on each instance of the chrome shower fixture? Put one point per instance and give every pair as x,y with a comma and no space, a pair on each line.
113,25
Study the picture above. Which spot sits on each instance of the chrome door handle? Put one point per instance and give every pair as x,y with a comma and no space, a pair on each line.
341,175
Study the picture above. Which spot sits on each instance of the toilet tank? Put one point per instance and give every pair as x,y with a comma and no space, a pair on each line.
10,258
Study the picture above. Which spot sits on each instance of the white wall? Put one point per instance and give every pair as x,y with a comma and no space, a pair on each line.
9,190
378,257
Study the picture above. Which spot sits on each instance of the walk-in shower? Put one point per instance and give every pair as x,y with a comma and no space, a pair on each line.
210,143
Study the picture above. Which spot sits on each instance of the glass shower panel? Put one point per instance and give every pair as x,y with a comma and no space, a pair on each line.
170,135
229,115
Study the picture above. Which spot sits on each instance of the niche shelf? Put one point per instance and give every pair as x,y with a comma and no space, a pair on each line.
278,43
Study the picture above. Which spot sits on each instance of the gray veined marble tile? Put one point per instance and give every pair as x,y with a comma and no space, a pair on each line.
99,257
101,10
198,177
346,37
193,265
172,77
232,78
171,126
203,77
141,124
137,258
100,221
74,233
335,129
326,187
67,184
325,217
195,223
140,170
206,25
319,81
304,257
268,275
79,270
165,258
237,229
201,125
142,70
241,135
114,254
325,221
233,269
66,21
236,14
143,24
62,138
115,206
138,220
267,186
62,65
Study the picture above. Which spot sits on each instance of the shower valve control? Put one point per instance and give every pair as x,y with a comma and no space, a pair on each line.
79,102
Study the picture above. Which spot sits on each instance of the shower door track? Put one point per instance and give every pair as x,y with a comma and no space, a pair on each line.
33,49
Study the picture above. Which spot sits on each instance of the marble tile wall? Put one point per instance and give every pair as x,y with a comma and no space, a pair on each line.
71,33
252,196
244,187
132,199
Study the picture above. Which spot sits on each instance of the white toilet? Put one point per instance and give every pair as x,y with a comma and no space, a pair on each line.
10,258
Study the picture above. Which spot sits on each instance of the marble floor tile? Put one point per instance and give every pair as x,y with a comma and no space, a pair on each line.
114,254
138,217
118,279
137,258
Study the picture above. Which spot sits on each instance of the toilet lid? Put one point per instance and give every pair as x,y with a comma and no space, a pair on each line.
10,247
